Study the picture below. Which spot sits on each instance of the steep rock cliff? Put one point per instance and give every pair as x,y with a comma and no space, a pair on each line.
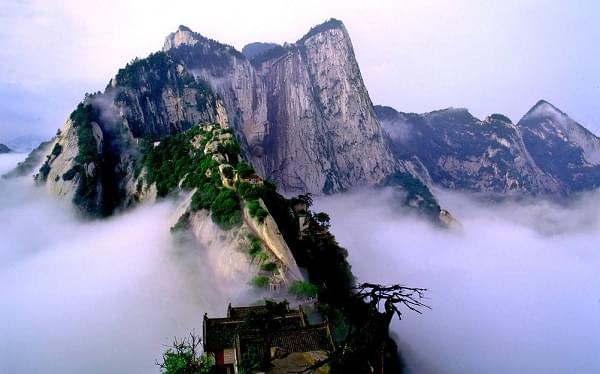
302,111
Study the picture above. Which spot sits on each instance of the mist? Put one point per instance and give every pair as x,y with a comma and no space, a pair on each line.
97,296
517,290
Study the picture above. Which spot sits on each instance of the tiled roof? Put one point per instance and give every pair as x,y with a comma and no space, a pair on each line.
242,312
304,340
291,333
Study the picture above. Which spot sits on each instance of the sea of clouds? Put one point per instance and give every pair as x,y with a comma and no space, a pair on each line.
517,290
97,296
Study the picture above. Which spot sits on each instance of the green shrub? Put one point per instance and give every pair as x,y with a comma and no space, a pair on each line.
184,357
257,211
268,266
232,150
45,170
57,149
305,289
227,171
82,118
262,256
255,247
225,210
204,197
244,170
260,281
168,163
249,191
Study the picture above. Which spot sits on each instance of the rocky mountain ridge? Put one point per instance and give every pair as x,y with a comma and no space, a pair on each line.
302,111
545,153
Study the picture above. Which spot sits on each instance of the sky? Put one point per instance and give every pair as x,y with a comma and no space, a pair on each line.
415,55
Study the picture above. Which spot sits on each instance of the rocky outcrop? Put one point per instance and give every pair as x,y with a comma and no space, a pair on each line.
545,153
229,249
302,111
63,162
67,175
269,234
561,147
154,97
4,149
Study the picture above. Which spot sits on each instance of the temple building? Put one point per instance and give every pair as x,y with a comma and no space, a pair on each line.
235,339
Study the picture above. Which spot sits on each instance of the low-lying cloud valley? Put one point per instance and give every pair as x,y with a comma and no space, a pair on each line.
96,297
516,290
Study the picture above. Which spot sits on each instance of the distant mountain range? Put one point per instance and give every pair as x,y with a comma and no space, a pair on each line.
546,152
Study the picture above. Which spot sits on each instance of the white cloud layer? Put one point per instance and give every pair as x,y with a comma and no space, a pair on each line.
96,297
518,291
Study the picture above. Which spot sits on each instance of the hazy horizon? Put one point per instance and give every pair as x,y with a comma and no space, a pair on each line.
488,57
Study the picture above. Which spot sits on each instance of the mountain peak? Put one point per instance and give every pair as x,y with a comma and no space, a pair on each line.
182,36
544,108
184,28
330,24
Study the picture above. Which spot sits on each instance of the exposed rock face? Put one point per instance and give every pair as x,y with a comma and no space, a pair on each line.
545,153
63,162
228,248
67,176
302,110
156,97
561,147
269,234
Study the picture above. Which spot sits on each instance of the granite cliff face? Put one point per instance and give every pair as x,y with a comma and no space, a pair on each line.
545,153
302,110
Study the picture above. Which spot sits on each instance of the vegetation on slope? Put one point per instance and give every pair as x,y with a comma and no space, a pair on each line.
184,161
86,195
180,161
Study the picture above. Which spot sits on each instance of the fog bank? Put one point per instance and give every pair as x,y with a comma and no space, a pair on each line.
96,297
517,291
